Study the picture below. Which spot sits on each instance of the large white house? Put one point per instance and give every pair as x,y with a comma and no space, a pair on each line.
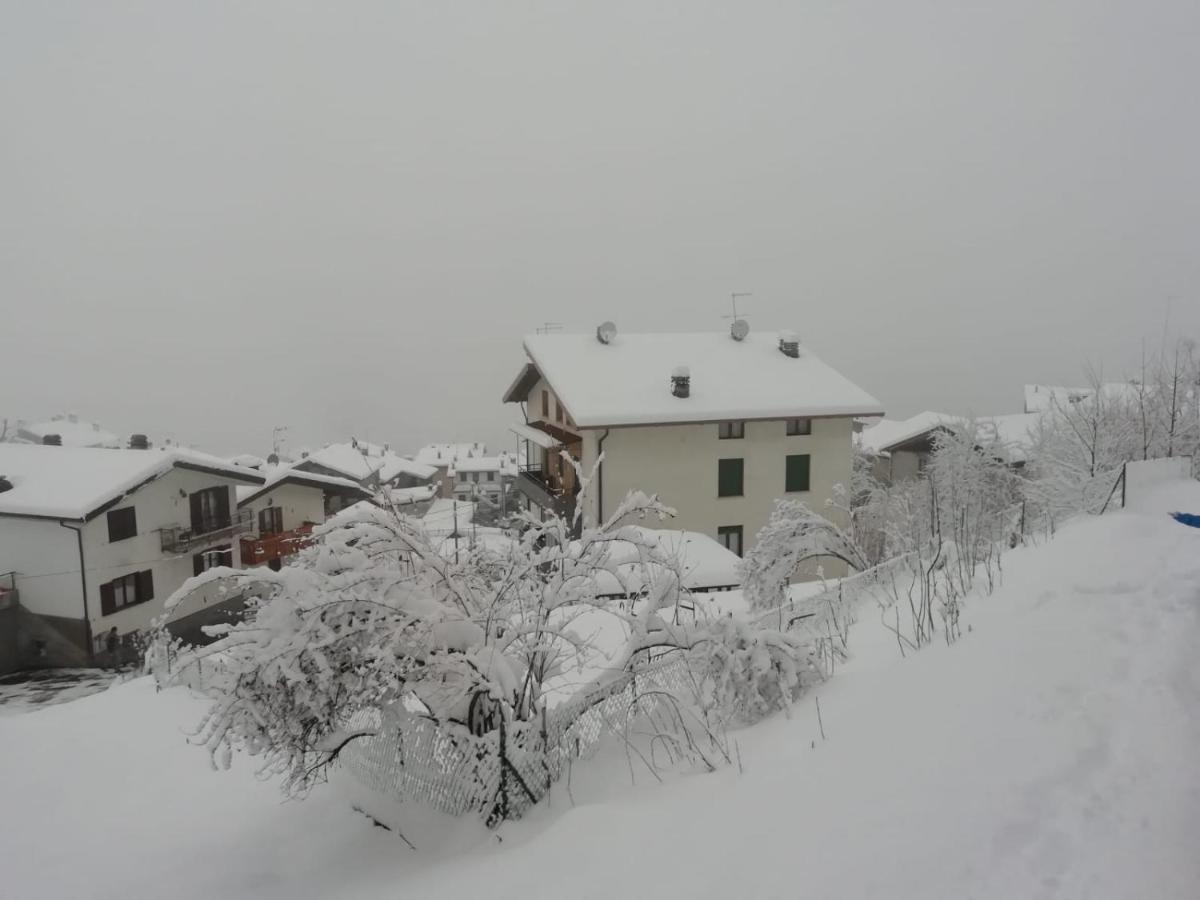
92,539
719,426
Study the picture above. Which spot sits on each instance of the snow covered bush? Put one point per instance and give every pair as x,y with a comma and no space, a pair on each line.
372,616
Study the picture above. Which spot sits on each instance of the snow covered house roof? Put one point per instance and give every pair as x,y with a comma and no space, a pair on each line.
75,432
443,455
704,563
81,482
505,463
1015,432
360,461
628,381
280,475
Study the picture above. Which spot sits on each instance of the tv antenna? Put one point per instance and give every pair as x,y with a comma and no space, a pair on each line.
733,298
550,327
277,435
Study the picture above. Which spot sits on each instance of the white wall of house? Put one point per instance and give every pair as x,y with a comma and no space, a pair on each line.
45,557
300,503
679,463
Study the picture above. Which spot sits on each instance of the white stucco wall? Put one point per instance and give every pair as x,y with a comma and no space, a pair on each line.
679,463
45,557
300,503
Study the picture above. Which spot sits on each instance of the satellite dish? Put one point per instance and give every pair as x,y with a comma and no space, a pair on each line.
606,332
739,329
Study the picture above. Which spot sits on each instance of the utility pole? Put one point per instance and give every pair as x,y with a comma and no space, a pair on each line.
454,506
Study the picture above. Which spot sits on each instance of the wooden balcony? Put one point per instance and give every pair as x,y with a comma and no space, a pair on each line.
266,548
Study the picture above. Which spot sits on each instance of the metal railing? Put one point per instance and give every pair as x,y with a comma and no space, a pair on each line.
268,547
181,539
8,589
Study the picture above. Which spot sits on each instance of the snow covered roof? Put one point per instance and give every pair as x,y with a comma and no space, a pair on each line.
278,475
1014,431
704,563
352,462
78,482
628,381
505,463
887,433
248,461
442,455
74,432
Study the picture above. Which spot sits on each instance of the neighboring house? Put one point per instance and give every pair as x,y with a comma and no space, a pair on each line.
371,466
442,457
97,538
486,478
718,427
901,449
66,431
285,508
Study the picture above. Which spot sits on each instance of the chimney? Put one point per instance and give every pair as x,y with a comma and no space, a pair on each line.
681,381
273,459
139,442
52,440
5,484
789,344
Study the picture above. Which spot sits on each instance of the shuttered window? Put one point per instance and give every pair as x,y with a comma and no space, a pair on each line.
270,520
797,473
799,426
210,559
729,477
210,509
730,537
122,524
731,430
128,590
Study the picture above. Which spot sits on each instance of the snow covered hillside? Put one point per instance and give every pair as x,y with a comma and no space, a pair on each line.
1051,752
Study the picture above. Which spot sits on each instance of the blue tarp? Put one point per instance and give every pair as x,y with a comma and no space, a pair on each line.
1190,519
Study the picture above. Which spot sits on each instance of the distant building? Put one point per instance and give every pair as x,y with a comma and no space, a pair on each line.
66,431
719,426
371,466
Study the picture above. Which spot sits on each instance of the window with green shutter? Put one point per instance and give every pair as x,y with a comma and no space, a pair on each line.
729,477
797,473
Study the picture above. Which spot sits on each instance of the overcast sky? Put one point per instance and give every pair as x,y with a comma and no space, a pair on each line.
217,218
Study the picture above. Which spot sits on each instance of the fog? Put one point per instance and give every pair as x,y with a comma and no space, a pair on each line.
219,218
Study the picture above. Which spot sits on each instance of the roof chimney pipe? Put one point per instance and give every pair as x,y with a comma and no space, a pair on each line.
681,381
139,442
789,344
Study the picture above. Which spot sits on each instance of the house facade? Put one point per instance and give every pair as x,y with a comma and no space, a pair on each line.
284,510
719,427
95,539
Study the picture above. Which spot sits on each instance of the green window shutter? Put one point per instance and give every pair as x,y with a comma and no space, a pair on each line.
797,473
729,477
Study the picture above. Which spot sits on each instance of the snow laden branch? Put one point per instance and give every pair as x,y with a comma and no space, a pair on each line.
794,534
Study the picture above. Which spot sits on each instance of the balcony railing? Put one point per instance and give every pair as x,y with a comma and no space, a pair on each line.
180,539
548,496
258,551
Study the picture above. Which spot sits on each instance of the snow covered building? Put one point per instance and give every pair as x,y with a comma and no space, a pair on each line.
719,426
94,539
445,459
285,508
371,466
66,431
901,449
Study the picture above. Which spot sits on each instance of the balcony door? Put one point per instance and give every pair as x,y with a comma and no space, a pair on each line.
210,509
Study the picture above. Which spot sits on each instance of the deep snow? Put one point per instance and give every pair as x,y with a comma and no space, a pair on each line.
1054,751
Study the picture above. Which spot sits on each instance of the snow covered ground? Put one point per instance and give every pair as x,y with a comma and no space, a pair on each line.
1054,751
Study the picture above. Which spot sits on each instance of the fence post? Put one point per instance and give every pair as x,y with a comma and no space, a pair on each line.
1123,467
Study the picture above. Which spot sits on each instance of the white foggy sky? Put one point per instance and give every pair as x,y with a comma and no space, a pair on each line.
215,218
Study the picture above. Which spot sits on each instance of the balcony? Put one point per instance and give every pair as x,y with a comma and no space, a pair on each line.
266,548
545,492
178,539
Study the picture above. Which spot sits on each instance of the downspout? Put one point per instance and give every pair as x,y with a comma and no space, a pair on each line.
600,478
87,621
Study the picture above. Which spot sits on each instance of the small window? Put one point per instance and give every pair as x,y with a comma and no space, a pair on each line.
799,426
122,524
558,410
797,473
730,537
475,477
210,559
731,430
491,476
128,590
461,497
270,520
546,405
729,477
